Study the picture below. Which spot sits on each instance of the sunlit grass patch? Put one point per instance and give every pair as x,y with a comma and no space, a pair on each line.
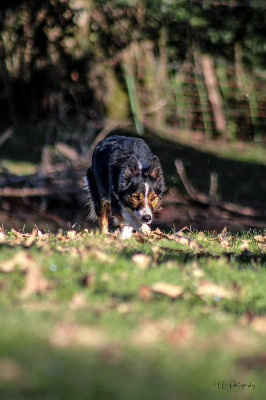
158,309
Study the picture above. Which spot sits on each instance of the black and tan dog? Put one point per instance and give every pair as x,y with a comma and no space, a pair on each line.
126,181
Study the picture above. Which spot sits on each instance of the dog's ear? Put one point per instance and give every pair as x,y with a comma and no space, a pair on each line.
155,170
132,167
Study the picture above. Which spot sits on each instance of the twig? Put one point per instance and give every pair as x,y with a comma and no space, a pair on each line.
6,135
188,186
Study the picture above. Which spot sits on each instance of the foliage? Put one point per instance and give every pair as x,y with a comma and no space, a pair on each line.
66,61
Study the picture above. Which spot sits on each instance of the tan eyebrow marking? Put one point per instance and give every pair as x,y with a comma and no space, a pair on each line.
153,200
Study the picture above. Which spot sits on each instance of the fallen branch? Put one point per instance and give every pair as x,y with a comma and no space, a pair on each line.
212,199
37,192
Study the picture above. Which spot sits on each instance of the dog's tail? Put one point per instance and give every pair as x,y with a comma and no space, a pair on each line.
91,194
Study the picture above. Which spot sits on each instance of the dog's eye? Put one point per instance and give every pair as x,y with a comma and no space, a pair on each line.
135,197
153,198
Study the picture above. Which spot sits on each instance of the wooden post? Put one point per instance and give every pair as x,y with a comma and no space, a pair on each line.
214,94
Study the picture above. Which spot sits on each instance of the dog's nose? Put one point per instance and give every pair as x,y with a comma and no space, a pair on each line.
146,218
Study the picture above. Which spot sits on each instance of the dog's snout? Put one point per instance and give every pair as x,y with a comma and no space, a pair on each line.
146,218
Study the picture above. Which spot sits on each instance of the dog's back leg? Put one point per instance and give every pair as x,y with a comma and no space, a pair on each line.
94,199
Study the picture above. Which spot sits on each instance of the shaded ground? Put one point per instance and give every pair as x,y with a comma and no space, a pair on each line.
239,182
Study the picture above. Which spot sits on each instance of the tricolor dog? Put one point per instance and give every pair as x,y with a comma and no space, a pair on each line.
125,181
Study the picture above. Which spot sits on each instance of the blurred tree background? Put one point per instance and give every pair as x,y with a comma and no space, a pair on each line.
196,66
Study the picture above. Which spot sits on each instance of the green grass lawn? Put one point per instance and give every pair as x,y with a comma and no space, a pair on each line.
83,317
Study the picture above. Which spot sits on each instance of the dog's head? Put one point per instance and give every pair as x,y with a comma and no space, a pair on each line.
141,188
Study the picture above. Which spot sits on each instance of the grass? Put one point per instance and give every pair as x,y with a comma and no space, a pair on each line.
91,325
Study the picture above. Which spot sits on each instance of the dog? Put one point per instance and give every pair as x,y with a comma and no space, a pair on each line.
126,181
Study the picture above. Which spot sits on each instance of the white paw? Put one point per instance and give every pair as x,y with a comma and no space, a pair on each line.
145,230
126,232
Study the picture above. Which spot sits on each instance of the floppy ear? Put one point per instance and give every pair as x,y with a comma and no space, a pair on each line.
155,170
131,168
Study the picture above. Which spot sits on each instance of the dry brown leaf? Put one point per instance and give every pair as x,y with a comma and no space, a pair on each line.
225,244
244,245
197,272
31,239
11,371
223,234
145,293
260,239
167,289
209,289
3,237
20,260
40,305
35,282
182,335
71,234
125,308
262,247
78,302
67,334
142,261
259,325
150,332
192,244
17,234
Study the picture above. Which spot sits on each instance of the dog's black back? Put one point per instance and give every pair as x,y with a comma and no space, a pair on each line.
106,176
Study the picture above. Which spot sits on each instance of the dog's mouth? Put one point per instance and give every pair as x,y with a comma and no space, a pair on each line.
143,218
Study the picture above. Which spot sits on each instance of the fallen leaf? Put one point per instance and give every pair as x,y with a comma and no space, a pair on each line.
145,293
17,234
20,260
259,325
31,239
11,371
244,245
209,289
142,261
192,244
125,308
150,332
67,334
262,247
260,239
3,237
71,234
223,234
225,244
167,289
78,302
182,335
35,283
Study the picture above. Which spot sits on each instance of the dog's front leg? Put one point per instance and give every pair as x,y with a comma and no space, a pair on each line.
130,219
